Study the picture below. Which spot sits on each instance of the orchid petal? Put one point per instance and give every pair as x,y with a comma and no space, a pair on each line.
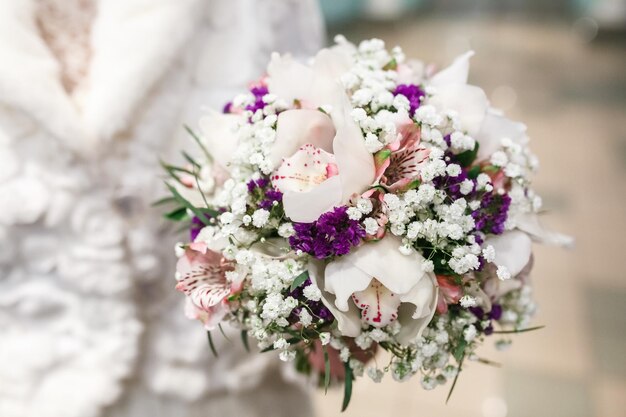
305,170
329,65
348,322
343,279
309,206
296,128
288,79
495,128
383,261
379,306
414,319
469,102
219,132
530,224
456,73
420,296
513,250
356,164
496,288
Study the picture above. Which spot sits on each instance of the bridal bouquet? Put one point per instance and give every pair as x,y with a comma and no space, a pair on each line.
357,203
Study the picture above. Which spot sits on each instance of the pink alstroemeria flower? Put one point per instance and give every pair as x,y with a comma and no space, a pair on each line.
202,277
399,163
449,293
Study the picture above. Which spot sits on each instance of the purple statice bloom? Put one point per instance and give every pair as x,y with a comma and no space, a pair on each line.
494,314
227,107
258,92
333,234
317,308
259,183
269,196
195,227
492,213
413,93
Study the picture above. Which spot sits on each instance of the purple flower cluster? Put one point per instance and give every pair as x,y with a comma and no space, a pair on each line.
316,308
333,234
413,93
195,227
258,92
492,213
267,196
494,314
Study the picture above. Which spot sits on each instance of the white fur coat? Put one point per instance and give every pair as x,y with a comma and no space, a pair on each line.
89,322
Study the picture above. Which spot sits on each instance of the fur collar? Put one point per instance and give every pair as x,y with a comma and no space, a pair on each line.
133,44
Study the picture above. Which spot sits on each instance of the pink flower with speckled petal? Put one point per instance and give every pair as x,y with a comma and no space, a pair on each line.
202,277
398,164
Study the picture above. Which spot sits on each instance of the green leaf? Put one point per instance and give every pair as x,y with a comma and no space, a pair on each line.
391,65
244,340
223,333
347,387
177,215
291,341
326,370
200,213
473,172
211,345
466,158
199,142
191,160
381,156
299,280
412,185
528,329
164,200
456,377
459,351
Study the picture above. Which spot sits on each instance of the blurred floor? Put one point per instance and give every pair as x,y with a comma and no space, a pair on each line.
572,95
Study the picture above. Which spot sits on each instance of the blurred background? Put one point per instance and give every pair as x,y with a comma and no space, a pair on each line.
89,323
560,67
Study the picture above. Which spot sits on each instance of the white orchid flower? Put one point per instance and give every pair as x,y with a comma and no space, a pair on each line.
377,285
312,86
485,124
320,159
314,180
